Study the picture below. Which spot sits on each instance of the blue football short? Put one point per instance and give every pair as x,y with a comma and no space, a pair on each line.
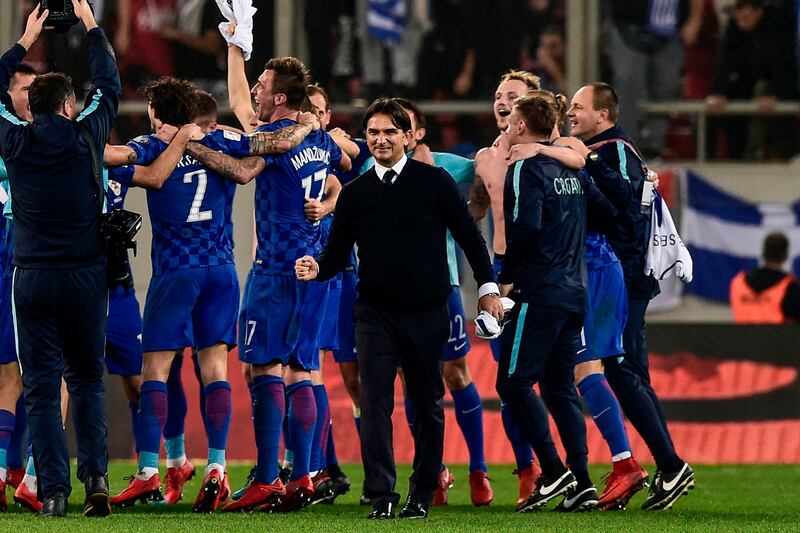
191,307
329,335
123,334
606,314
8,349
458,342
347,333
281,321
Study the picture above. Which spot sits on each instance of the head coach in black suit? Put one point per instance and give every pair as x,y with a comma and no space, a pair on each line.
60,291
398,214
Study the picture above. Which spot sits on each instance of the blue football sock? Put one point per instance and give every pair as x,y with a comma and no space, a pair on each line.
134,407
606,412
269,407
16,448
523,454
176,415
6,431
152,417
218,419
357,420
319,441
288,456
302,414
30,466
409,415
469,415
330,449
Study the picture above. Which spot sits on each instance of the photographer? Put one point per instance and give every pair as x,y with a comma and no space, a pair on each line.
60,290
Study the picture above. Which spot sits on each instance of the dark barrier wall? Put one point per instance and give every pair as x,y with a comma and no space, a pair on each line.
731,395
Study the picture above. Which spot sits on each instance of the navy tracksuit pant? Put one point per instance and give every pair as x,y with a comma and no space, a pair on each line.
60,320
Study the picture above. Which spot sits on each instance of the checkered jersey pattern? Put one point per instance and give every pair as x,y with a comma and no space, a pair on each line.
283,232
190,214
177,247
598,251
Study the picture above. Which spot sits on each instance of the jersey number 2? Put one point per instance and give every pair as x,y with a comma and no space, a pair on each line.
195,215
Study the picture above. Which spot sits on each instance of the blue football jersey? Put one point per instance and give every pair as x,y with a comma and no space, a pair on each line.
190,213
598,251
282,230
116,191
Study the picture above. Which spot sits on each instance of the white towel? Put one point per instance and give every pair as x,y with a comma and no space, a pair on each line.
487,327
666,253
241,12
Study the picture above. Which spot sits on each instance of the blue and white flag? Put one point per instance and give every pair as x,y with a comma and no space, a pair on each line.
725,234
386,19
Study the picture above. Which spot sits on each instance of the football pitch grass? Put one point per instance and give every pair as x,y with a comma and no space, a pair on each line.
726,498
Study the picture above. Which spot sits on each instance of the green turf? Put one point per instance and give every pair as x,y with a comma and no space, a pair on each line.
727,498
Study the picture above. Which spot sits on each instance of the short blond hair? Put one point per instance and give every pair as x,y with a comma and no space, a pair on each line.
533,81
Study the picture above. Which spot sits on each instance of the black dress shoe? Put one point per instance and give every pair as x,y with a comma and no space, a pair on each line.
382,510
415,508
96,502
55,505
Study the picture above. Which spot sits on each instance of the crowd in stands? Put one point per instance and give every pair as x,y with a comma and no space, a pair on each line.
716,50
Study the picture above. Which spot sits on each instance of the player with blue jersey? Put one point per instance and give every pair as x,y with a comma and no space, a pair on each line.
281,318
328,478
193,296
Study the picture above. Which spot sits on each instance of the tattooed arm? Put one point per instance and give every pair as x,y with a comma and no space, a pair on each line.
116,155
239,170
279,141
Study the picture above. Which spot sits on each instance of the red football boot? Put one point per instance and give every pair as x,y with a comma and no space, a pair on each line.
527,481
176,478
14,477
480,489
3,498
626,479
298,495
323,488
258,494
26,498
138,489
446,480
210,491
225,495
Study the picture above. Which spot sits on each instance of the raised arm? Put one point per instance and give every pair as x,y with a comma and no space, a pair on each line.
102,101
238,89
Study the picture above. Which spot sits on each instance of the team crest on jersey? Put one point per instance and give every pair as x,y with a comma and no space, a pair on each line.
115,187
142,139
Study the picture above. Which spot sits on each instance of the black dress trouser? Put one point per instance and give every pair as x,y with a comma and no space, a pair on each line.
386,337
60,320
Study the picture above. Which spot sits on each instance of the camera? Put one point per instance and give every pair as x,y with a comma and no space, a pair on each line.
61,16
119,227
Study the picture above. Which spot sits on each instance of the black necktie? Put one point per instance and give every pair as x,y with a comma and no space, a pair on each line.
389,176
